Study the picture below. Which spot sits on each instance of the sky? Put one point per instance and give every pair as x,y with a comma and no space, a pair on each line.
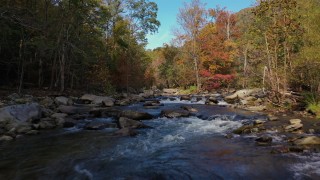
168,10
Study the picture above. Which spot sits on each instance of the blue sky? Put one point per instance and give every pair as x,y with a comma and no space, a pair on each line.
168,10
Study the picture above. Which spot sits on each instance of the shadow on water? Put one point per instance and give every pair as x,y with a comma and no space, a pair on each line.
181,148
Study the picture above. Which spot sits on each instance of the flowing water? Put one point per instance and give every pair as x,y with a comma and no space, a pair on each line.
179,148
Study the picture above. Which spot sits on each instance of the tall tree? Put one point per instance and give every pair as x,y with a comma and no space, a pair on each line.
192,18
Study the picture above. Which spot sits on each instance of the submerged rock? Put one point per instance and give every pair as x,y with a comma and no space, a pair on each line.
293,127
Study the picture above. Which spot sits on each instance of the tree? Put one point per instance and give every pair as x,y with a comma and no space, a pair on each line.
191,19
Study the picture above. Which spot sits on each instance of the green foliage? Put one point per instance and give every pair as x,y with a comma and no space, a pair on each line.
313,103
189,90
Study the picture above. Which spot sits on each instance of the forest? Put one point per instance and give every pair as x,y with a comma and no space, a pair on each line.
100,45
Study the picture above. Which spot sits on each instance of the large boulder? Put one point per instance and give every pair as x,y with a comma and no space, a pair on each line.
106,101
175,113
20,113
130,123
242,94
88,97
136,115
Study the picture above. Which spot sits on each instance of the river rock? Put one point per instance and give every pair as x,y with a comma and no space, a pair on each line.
123,102
245,129
23,129
258,122
32,132
310,140
6,138
130,123
272,117
190,109
212,100
135,115
147,93
126,132
264,141
293,127
256,108
88,97
241,94
280,149
175,113
47,102
73,109
45,123
295,121
185,98
61,100
106,101
170,91
59,115
152,103
19,113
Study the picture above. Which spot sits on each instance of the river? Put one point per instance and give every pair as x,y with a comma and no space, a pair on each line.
178,148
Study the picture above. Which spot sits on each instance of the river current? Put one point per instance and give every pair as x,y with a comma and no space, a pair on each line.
178,148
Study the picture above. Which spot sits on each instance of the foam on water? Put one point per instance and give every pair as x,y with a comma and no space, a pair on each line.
172,132
309,166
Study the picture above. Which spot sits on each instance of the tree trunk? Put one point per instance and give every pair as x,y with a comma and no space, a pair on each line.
62,70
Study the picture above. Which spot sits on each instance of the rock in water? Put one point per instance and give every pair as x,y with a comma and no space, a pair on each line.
22,113
295,121
310,140
185,98
293,127
264,141
175,113
129,123
135,115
